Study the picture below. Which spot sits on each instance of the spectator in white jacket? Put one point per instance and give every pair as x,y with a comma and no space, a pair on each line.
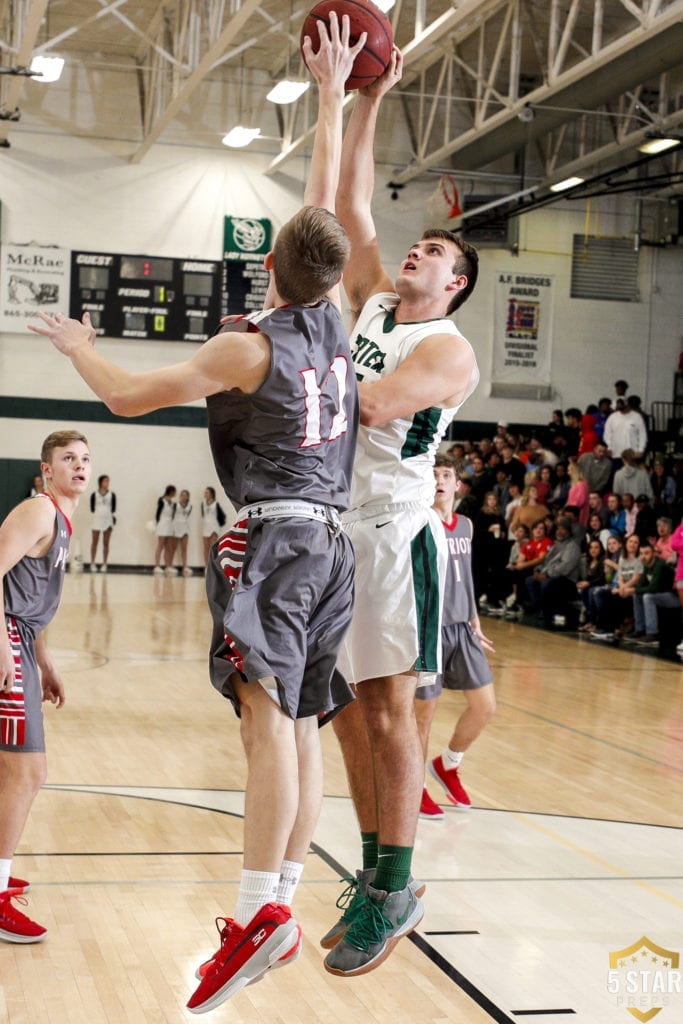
625,428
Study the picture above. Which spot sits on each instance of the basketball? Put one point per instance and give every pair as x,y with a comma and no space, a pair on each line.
364,16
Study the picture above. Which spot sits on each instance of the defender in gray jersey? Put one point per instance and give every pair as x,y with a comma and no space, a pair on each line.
34,544
415,370
282,404
465,666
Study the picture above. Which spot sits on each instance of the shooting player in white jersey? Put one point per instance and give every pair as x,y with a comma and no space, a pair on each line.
415,370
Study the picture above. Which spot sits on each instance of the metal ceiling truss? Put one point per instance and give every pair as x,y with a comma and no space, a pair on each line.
519,85
512,87
515,80
188,38
20,22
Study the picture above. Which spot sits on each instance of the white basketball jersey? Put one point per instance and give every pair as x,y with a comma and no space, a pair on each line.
395,461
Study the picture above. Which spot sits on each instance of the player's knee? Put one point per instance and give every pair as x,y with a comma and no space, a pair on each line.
263,724
27,772
489,711
484,707
391,719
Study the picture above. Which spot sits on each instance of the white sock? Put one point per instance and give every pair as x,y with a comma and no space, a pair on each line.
256,889
452,758
5,869
290,873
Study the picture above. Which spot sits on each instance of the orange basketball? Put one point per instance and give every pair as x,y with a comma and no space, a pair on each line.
364,16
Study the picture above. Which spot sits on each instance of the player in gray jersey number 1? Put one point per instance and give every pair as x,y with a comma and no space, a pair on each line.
465,666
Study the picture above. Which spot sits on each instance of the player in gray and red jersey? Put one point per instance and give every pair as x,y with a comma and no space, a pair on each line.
34,544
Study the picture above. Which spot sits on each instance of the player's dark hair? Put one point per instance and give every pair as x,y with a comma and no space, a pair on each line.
466,263
59,439
309,255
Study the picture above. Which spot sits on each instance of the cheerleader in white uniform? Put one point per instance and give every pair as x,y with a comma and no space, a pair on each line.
166,506
103,509
213,521
181,529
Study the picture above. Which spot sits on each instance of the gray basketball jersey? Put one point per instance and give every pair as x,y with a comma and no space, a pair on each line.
33,586
294,438
459,603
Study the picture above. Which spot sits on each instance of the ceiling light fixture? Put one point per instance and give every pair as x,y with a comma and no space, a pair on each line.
46,69
561,186
287,91
239,136
653,144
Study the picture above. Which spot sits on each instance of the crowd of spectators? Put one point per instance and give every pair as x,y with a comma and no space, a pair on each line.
578,524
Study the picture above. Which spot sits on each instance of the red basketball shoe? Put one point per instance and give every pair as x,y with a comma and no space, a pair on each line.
15,926
289,957
244,954
18,883
450,780
429,809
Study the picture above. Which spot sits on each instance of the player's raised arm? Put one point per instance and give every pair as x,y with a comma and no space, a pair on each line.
330,65
364,275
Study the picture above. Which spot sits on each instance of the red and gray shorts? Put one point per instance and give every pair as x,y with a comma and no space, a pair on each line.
21,710
281,596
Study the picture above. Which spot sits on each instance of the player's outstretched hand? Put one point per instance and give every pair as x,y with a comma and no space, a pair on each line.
65,333
389,77
333,61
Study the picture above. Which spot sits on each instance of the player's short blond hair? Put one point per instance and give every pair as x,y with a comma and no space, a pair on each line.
59,439
309,255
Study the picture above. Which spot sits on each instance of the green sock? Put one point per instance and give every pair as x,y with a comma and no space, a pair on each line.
393,867
369,842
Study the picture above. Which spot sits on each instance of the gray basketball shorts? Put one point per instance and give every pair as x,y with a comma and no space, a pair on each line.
21,710
281,598
465,664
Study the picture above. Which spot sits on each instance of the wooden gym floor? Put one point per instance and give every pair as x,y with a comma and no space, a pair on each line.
573,850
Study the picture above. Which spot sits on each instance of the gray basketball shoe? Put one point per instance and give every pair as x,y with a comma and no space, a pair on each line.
350,901
374,931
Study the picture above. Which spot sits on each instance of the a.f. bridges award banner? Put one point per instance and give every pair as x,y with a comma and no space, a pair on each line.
522,347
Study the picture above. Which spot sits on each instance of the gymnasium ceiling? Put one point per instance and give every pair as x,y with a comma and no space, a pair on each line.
507,96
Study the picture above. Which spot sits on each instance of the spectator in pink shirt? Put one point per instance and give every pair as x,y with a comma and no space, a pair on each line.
663,546
677,545
578,493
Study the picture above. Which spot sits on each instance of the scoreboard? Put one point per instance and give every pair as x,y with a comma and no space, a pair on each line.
246,240
147,296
